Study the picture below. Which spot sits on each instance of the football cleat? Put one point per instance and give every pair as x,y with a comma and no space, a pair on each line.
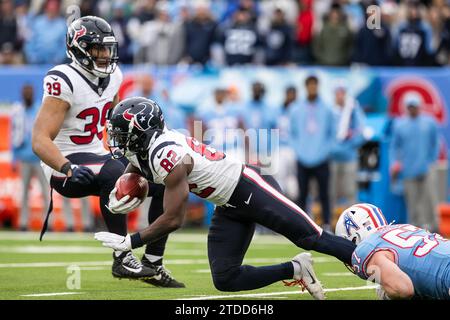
162,277
127,266
306,277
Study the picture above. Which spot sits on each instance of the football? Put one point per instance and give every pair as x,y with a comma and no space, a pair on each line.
132,184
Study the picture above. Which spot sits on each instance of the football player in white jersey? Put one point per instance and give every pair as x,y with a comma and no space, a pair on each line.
68,131
242,197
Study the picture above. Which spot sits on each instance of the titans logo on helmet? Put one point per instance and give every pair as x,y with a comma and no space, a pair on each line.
349,223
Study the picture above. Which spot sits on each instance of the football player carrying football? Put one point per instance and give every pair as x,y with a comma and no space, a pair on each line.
68,132
408,262
243,197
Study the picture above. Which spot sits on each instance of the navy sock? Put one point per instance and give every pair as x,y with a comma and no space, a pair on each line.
335,246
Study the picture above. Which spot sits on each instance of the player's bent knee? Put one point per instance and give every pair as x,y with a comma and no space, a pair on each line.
224,274
110,172
224,282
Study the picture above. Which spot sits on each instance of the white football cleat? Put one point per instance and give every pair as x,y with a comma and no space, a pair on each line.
306,277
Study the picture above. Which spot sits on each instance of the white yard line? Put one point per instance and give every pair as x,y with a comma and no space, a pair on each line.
174,237
167,262
50,294
36,249
337,274
268,294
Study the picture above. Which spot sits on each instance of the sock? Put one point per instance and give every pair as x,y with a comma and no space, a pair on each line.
117,253
297,268
154,259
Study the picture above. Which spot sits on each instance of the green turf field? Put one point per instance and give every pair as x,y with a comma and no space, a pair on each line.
30,269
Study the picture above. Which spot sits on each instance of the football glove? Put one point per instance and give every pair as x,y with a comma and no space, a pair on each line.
382,294
114,241
81,174
122,206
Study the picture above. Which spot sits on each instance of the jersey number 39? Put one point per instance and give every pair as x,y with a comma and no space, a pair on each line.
94,117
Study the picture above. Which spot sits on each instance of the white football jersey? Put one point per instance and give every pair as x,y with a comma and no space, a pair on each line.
89,98
214,175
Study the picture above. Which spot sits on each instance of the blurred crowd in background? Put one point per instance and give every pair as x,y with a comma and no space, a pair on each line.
319,139
230,32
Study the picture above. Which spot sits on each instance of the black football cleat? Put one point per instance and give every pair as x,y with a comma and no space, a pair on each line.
162,277
127,266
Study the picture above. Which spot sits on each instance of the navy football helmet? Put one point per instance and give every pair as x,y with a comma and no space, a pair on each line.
90,42
133,125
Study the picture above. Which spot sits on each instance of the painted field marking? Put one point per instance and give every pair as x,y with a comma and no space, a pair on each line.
174,237
34,249
167,262
268,294
337,274
50,294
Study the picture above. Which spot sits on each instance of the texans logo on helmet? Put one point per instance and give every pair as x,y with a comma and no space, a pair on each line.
141,119
349,223
79,33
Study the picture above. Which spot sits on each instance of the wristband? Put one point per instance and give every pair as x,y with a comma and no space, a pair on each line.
66,167
136,240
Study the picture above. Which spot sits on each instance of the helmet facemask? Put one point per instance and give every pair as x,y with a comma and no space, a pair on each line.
99,59
125,143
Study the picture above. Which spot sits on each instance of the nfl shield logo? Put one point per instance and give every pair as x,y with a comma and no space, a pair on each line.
100,91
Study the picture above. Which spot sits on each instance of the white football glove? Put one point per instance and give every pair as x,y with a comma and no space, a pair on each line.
114,241
122,206
382,294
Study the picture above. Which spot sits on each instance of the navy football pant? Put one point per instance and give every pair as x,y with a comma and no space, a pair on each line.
257,199
106,171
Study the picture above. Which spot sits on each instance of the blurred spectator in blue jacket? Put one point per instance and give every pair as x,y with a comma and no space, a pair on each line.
413,151
46,43
232,6
373,46
175,117
286,164
23,116
413,39
312,136
222,125
240,40
278,41
256,116
344,155
200,31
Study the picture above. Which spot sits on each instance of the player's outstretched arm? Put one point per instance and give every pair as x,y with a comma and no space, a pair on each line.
175,200
395,282
46,127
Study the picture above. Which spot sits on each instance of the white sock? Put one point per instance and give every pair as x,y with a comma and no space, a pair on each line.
117,253
152,258
297,268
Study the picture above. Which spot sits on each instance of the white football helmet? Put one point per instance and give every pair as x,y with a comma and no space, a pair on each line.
359,221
